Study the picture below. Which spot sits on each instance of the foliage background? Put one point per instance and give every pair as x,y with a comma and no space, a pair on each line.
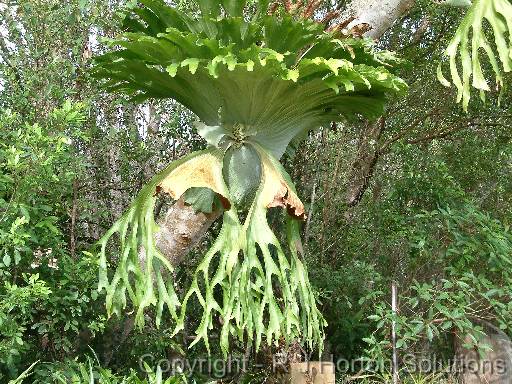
434,217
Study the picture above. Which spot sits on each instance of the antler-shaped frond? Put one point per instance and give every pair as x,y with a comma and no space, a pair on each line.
465,50
246,263
142,271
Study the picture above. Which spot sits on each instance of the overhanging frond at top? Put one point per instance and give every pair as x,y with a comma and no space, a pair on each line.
274,75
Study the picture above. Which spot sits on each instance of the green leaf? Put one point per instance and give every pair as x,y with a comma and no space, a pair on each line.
456,3
242,173
430,334
446,325
6,260
209,7
17,257
202,199
234,7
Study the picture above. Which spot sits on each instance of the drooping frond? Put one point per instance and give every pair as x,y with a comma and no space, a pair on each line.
470,39
249,266
246,263
145,280
276,75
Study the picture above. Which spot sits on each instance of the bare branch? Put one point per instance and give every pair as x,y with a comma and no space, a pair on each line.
379,15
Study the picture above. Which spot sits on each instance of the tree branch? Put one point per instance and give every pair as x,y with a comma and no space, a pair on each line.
181,230
364,164
5,57
379,15
385,146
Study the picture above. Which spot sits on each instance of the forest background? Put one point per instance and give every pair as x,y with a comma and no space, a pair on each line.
422,198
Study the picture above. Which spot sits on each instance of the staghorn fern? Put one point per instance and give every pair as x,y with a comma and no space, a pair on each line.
466,50
256,86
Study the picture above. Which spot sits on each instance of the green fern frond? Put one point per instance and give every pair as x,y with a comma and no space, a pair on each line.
470,39
277,75
251,266
142,271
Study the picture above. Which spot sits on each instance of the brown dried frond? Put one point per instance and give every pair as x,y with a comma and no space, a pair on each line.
340,26
273,8
310,9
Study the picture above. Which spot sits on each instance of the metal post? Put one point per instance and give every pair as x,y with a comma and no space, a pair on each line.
393,332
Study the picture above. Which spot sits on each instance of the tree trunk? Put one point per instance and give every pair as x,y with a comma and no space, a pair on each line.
312,372
496,365
181,230
364,164
378,14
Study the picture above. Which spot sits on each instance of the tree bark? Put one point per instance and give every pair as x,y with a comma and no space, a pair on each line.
364,164
378,14
181,230
494,367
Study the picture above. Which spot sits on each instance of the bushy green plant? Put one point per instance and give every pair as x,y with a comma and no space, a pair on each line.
386,378
470,280
72,372
36,172
47,297
17,315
